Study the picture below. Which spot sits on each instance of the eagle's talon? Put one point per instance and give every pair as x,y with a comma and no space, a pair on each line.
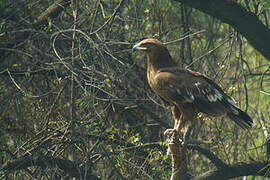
174,137
170,135
169,132
184,141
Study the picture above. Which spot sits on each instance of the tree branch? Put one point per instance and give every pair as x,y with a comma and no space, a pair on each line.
69,167
238,170
243,21
51,12
225,171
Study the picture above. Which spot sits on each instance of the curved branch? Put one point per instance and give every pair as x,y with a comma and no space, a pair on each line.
225,171
238,170
69,167
243,21
208,154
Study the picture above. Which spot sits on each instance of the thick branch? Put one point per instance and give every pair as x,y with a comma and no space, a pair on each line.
238,170
225,171
50,12
69,167
246,23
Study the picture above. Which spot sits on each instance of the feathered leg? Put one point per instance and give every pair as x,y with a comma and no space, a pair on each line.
187,130
184,122
176,114
176,148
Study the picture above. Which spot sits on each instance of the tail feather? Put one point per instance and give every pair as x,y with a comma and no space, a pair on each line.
241,118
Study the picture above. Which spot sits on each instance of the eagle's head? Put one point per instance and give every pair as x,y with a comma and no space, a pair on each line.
150,46
157,53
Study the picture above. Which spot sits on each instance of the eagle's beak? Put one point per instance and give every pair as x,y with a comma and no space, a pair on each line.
138,46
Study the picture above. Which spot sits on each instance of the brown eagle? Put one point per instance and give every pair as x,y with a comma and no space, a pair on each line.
186,91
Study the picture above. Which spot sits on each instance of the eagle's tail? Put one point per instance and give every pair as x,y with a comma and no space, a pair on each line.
240,118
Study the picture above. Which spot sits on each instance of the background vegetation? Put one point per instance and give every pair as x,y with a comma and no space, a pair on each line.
74,97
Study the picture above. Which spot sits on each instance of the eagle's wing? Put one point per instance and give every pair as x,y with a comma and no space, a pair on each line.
178,86
184,86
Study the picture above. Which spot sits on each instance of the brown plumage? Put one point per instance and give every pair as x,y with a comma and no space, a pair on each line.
186,91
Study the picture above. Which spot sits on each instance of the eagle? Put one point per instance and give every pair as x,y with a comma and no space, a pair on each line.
185,91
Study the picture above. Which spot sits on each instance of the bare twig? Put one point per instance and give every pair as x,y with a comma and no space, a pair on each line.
187,36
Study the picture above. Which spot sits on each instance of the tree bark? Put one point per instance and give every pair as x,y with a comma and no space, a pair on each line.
243,21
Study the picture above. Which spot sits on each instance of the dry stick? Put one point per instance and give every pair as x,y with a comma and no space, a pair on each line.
51,12
72,119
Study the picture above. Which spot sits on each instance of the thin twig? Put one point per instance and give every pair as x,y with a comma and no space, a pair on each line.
212,50
187,36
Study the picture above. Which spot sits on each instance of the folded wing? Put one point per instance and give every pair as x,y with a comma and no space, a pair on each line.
181,86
